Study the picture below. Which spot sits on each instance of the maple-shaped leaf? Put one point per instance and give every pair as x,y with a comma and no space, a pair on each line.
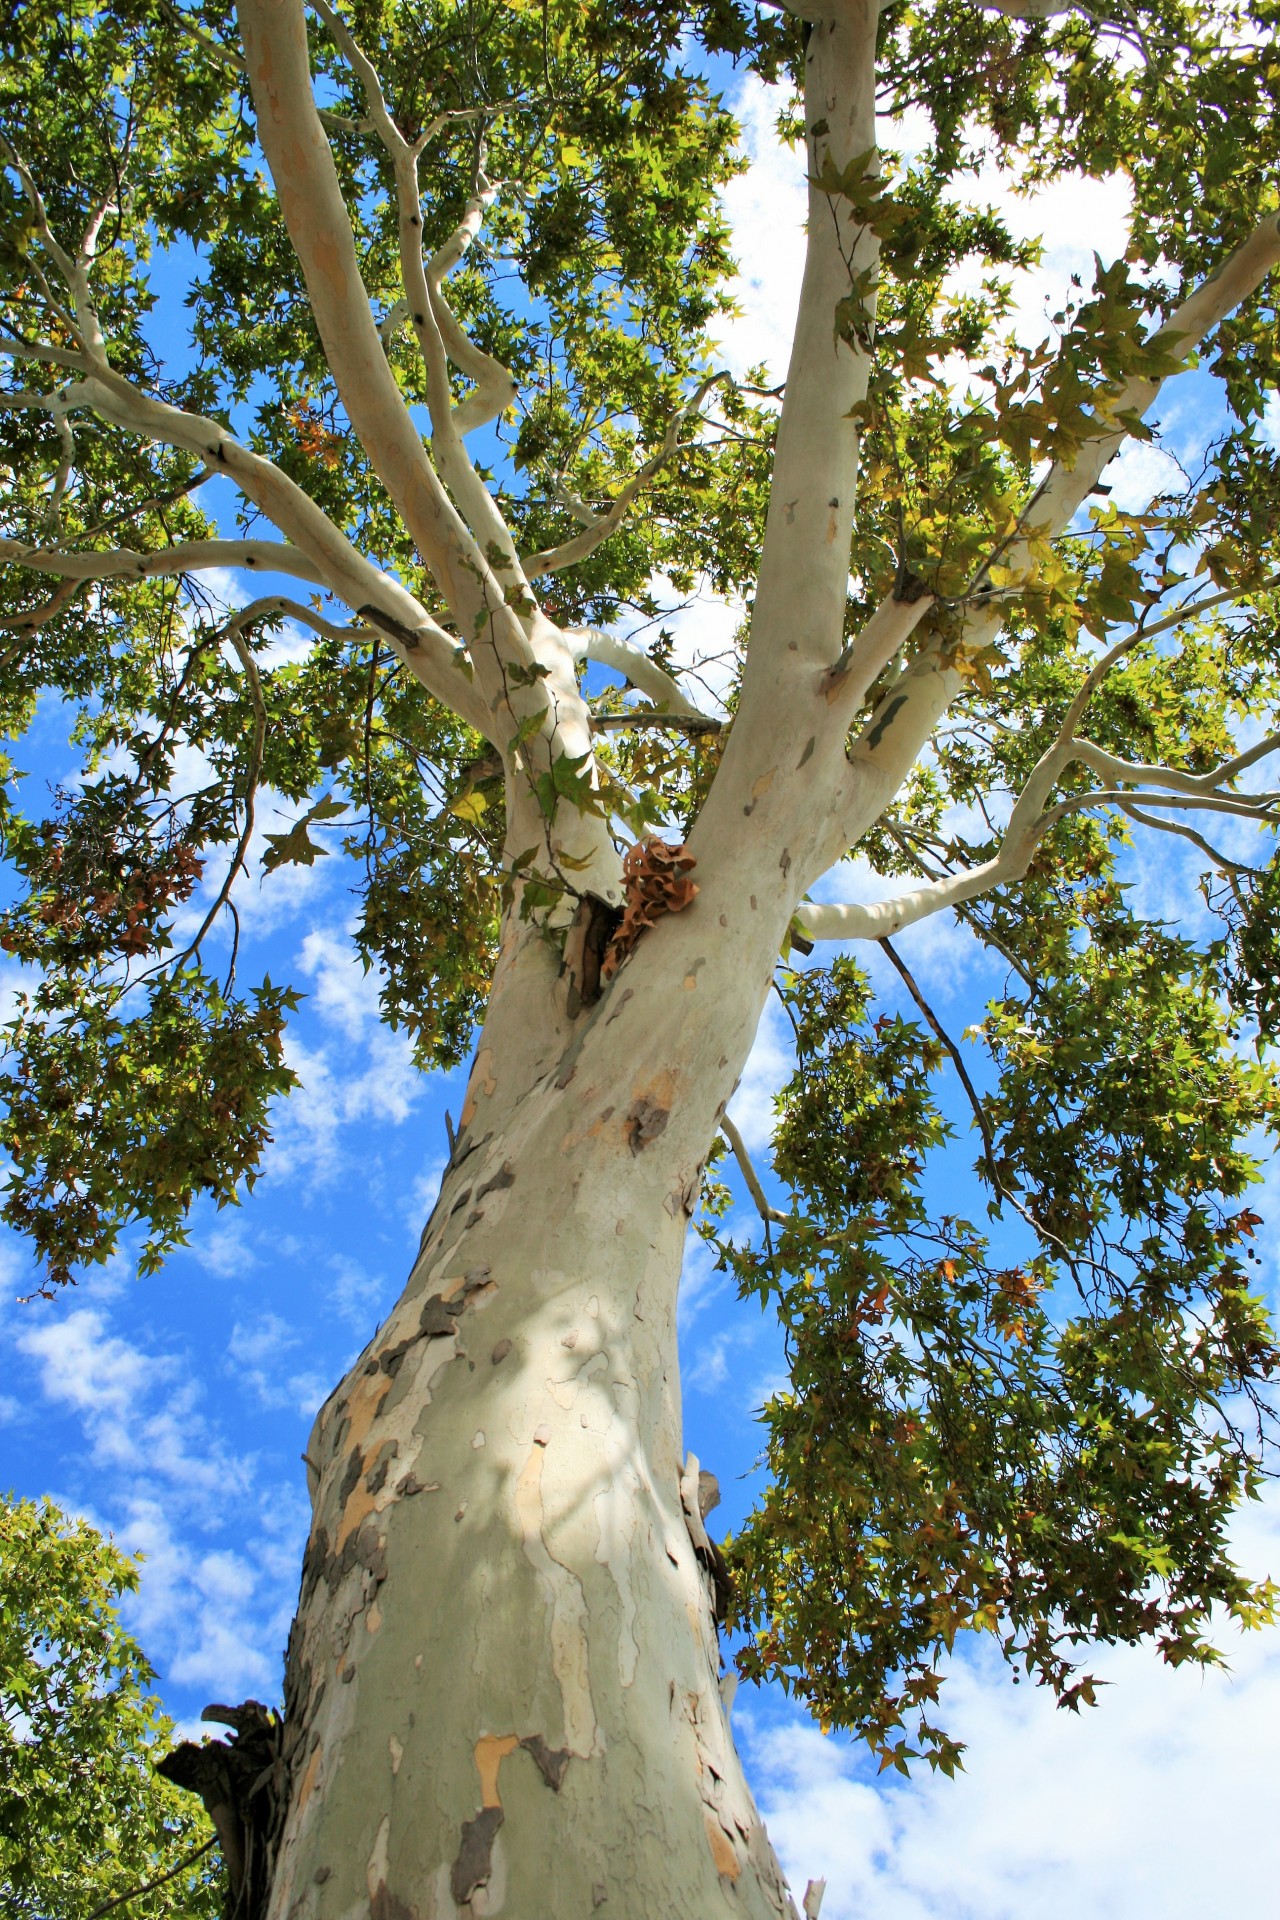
296,847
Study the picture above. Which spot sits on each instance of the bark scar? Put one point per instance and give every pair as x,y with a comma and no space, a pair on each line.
645,1121
474,1863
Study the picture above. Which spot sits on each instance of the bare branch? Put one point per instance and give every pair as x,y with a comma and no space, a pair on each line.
235,632
1064,489
40,616
749,1174
1189,610
433,656
690,723
49,240
1129,773
52,519
555,559
608,650
875,773
315,213
1028,824
495,388
1184,832
227,57
18,349
188,556
957,1058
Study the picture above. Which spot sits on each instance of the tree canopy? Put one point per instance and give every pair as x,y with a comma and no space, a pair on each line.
84,1821
1040,1422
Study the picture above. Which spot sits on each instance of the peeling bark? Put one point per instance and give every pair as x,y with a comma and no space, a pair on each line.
505,1696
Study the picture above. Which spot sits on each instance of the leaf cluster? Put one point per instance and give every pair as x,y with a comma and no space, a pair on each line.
1050,1447
84,1819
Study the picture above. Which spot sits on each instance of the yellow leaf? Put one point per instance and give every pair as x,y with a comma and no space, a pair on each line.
469,806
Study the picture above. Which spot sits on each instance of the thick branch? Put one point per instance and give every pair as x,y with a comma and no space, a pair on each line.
690,723
433,656
607,650
466,561
1130,773
438,334
877,759
1028,824
306,182
804,564
187,556
1065,489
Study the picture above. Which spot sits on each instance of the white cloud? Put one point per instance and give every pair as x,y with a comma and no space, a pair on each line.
359,1297
200,1609
223,1249
163,1478
359,1072
1157,1805
766,210
343,993
257,1350
769,1063
385,1088
1139,471
139,1409
1074,217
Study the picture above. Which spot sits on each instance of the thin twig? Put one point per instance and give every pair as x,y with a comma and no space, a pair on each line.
979,1111
150,1886
235,633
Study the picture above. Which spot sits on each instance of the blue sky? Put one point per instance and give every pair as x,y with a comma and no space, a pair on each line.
173,1410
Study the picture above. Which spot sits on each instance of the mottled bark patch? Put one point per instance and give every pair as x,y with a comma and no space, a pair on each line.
474,1863
551,1762
644,1123
385,1905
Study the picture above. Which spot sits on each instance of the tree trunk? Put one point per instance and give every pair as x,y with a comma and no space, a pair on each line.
503,1690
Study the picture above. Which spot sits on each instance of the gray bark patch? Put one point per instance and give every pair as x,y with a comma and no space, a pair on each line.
644,1124
438,1316
350,1475
386,1905
412,1484
551,1762
885,721
474,1863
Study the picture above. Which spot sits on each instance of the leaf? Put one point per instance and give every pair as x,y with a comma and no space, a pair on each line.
296,847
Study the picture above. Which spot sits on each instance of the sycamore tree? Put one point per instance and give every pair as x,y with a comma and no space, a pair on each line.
444,397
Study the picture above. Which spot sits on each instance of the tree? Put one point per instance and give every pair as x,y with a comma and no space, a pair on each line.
452,274
84,1821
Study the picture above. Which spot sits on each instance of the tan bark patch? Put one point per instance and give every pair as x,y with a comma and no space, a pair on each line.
490,1750
307,1785
723,1851
563,1591
482,1081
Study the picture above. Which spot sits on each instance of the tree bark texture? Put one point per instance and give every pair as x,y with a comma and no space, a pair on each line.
503,1690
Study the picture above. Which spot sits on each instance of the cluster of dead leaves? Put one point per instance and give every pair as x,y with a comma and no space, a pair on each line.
656,879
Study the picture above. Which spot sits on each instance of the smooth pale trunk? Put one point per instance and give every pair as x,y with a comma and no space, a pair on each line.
504,1681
